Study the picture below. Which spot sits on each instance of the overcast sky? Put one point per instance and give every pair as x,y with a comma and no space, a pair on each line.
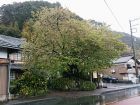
124,10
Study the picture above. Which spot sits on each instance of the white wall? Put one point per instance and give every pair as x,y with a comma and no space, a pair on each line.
131,62
3,53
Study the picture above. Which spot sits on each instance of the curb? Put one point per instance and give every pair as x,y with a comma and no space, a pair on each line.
109,91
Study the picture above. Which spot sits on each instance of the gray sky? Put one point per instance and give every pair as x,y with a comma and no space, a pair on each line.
124,10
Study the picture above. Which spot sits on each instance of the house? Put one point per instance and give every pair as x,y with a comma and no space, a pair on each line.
10,63
123,69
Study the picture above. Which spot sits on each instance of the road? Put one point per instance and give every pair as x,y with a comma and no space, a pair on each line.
130,101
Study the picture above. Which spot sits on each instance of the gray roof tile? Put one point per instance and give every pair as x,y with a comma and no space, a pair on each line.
122,60
10,42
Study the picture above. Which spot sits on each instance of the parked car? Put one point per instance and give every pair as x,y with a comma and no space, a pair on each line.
110,79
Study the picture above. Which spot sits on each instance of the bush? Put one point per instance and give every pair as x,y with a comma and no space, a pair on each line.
62,84
87,85
13,87
69,84
30,84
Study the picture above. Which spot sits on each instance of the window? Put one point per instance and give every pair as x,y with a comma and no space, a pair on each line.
15,56
12,75
3,53
129,66
113,71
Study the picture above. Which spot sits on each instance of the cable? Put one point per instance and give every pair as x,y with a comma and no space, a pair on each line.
113,15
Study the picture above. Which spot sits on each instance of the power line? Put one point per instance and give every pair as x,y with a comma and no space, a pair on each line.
113,15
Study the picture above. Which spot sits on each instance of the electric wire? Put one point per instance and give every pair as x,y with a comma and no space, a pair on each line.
114,15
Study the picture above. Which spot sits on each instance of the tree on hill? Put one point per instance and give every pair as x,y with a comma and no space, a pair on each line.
126,38
10,30
19,13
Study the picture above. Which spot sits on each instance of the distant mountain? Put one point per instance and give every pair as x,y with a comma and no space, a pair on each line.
126,38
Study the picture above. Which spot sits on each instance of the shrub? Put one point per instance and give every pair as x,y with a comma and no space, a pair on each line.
13,87
30,84
69,84
86,85
62,84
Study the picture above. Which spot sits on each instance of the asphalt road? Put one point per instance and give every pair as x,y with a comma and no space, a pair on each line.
130,101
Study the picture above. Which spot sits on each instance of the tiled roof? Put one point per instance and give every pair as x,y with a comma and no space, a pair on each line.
10,42
122,60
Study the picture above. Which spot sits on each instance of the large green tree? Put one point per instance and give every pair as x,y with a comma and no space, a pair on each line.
57,42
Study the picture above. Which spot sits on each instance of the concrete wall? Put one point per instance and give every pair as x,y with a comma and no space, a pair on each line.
3,82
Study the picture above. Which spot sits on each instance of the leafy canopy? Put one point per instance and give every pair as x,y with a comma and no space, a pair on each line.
58,41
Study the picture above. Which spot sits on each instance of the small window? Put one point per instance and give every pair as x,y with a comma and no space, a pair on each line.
113,71
129,66
12,76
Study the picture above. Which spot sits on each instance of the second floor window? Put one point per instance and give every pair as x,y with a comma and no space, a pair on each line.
15,56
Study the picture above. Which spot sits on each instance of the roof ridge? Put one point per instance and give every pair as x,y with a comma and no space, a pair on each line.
7,41
123,59
9,36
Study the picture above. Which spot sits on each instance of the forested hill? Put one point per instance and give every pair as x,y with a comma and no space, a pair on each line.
13,16
126,38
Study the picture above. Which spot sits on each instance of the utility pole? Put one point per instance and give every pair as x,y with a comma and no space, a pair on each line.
133,48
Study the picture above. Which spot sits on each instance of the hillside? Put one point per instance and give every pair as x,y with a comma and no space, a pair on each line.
126,38
13,16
